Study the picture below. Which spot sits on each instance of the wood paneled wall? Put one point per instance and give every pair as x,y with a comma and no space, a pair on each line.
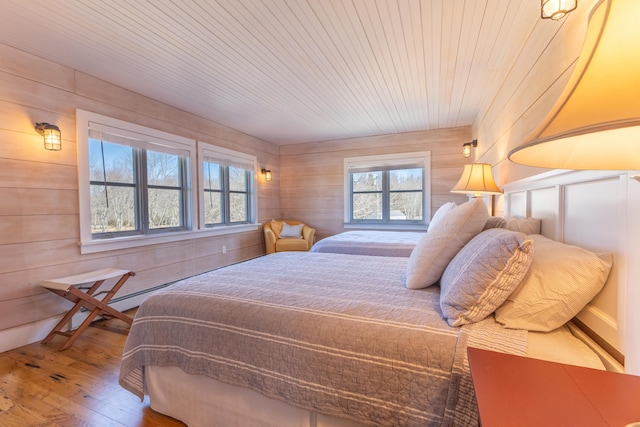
529,89
39,220
312,181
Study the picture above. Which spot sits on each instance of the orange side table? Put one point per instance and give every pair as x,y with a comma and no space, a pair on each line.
520,391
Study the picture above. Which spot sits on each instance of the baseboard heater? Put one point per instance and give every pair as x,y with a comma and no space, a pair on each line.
122,303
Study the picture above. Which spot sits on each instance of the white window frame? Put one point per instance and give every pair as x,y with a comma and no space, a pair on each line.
230,157
420,159
89,244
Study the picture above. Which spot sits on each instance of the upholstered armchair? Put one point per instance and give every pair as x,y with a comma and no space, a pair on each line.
287,235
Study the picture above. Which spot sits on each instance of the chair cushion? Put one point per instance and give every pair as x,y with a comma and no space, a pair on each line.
291,244
294,231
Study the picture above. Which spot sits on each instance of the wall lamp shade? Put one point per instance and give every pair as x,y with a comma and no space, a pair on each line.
596,122
51,134
267,174
557,9
466,148
477,179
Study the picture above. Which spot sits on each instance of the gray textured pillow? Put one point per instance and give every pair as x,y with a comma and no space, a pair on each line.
441,243
561,281
483,274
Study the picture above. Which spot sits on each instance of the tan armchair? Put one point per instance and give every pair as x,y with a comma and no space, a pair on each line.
275,243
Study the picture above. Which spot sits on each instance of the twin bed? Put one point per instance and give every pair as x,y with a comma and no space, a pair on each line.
370,242
323,339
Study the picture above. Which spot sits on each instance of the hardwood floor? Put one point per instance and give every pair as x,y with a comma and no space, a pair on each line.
41,386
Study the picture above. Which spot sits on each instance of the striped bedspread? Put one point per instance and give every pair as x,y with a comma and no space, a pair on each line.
330,333
370,242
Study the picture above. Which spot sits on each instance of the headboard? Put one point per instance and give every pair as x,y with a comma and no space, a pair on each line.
599,211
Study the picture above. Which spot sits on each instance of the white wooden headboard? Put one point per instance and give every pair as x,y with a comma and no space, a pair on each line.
600,211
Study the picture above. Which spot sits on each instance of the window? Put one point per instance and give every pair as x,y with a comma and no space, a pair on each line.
388,190
227,182
136,190
136,184
140,186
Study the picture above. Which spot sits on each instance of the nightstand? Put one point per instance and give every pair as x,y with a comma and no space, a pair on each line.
520,391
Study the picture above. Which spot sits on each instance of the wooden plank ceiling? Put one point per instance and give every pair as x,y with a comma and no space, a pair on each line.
289,71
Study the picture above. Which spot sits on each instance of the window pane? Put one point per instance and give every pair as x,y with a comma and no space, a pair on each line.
406,206
118,162
212,207
119,215
367,206
405,179
238,208
164,208
237,179
163,169
367,181
212,180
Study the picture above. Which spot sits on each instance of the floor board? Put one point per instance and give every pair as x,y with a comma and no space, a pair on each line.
41,386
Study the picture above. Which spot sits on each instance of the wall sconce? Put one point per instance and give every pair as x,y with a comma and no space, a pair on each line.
267,174
557,9
466,148
51,134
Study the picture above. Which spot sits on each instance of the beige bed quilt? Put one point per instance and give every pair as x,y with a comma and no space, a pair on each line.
336,334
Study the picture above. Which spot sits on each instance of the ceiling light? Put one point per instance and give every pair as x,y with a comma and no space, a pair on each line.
557,9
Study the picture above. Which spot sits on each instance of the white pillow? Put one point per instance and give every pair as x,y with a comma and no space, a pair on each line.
483,274
440,214
561,281
294,231
496,222
441,243
523,225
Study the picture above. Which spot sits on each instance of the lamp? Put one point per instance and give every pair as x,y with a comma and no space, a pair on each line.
51,134
557,9
476,179
596,122
466,148
267,174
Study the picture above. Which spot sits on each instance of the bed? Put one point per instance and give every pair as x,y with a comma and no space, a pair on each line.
386,243
352,344
323,339
370,242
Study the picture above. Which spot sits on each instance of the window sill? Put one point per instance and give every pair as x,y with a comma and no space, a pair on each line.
389,227
103,245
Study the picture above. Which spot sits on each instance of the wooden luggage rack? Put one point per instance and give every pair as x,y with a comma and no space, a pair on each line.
85,296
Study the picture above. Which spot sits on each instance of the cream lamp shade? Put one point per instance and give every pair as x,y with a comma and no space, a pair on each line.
477,179
596,122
